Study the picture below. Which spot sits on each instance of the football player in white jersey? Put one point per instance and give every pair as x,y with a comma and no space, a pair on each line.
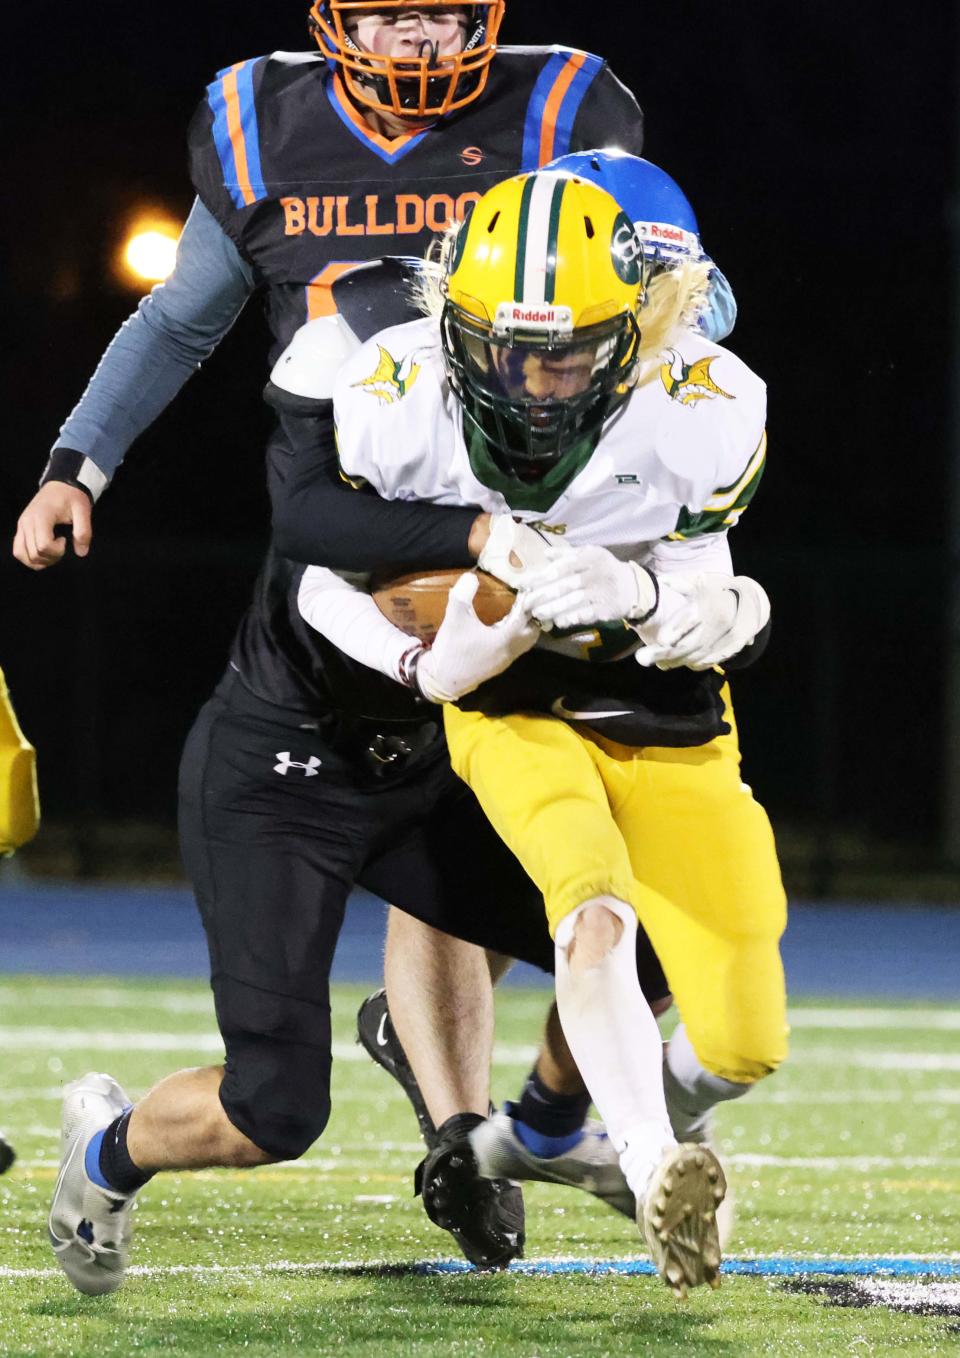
556,388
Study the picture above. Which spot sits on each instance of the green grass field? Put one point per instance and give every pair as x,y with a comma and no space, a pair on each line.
852,1151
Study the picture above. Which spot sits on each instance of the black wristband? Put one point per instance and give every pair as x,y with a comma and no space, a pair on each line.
638,622
71,467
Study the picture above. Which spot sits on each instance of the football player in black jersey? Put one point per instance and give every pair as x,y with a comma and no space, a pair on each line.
297,776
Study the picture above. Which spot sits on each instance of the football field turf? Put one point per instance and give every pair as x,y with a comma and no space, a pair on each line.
846,1168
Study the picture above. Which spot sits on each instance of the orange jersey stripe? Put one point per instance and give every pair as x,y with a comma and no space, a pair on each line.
551,109
390,144
235,128
320,289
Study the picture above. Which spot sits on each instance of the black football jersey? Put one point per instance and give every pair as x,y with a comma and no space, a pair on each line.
306,189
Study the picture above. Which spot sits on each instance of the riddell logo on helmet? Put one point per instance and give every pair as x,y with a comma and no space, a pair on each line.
531,315
663,231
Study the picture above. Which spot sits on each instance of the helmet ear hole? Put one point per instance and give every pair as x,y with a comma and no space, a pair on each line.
493,221
589,225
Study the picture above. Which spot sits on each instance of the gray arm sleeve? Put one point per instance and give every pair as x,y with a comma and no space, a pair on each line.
163,343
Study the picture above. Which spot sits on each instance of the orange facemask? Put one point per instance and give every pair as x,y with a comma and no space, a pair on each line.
424,86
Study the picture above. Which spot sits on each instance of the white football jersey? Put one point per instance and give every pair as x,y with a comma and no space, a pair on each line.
679,462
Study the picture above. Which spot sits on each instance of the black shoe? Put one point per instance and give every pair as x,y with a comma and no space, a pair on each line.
376,1034
7,1156
484,1216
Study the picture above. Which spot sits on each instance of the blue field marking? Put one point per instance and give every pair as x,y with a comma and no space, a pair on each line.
774,1266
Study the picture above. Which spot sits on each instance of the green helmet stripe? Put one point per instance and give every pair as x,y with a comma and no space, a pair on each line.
553,231
523,227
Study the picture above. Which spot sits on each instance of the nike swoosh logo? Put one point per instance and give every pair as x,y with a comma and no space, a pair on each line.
381,1032
559,709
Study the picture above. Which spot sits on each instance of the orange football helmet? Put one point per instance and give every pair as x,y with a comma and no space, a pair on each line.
425,86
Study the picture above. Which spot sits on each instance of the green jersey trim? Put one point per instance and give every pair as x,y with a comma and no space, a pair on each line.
725,505
538,495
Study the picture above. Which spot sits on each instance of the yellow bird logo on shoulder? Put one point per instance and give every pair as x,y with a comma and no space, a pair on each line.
390,380
690,382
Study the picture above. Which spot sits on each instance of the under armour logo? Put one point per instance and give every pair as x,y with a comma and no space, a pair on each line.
309,768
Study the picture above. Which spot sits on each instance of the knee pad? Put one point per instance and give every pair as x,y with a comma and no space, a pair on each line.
276,1085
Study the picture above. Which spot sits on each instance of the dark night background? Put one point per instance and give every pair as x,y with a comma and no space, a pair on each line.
817,143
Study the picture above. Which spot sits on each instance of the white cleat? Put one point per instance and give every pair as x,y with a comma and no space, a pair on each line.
701,1132
592,1165
679,1217
89,1227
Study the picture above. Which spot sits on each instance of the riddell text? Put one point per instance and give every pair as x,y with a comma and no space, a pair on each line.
406,215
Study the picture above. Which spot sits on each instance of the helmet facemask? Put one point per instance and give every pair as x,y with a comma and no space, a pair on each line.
534,394
543,284
426,86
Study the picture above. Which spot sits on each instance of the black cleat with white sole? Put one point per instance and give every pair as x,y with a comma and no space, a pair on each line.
484,1216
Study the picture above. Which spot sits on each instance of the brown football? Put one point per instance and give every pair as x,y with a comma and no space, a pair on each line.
416,602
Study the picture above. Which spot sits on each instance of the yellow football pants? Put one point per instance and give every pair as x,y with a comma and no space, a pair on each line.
675,833
19,804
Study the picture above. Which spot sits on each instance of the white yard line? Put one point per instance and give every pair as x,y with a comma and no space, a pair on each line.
943,1020
763,1095
908,1296
102,997
16,1038
96,996
852,1096
749,1160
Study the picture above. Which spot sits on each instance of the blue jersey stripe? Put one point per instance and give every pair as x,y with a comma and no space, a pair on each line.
571,103
535,108
251,128
391,157
221,138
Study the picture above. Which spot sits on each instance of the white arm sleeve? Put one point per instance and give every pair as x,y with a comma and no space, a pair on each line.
710,552
347,616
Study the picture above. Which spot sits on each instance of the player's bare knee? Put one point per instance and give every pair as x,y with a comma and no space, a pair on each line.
596,932
239,1152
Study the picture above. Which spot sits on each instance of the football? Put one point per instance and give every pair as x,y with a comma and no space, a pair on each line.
417,601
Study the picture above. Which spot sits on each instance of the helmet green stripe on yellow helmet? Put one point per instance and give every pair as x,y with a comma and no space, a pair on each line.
539,329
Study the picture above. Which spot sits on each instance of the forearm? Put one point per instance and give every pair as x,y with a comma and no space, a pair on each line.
140,373
709,552
320,519
348,617
161,345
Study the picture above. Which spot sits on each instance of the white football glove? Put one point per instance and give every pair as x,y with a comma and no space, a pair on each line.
582,585
514,550
465,651
725,613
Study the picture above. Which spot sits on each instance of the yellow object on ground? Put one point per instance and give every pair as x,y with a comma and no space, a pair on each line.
19,800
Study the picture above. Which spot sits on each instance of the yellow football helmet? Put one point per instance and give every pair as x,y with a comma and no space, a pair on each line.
543,283
425,86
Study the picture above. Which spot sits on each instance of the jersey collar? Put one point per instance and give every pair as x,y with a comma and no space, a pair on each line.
390,149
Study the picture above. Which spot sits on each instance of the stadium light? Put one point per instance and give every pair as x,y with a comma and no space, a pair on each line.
149,250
